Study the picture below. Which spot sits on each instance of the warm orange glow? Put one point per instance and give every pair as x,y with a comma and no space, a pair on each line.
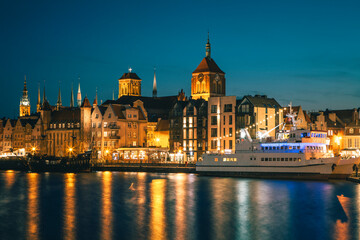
71,149
107,217
180,188
337,140
157,219
10,178
69,206
33,206
342,228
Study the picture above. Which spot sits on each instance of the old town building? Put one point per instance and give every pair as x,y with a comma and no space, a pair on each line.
129,84
259,114
221,124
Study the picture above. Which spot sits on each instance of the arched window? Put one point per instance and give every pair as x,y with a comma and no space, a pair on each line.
214,87
198,87
203,88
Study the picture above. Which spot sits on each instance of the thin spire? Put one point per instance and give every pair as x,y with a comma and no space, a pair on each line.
72,95
154,85
38,105
96,99
25,88
44,96
113,97
59,103
208,47
79,95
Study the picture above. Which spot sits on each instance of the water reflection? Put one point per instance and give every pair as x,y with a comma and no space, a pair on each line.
243,209
157,219
33,206
180,222
106,214
69,208
9,178
140,200
342,227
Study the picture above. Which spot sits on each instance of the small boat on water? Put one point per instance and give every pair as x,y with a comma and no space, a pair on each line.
295,154
80,163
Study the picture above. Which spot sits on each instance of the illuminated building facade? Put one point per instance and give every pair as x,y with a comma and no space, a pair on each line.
129,84
221,124
260,115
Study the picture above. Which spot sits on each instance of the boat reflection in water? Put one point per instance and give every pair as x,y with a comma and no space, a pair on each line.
114,205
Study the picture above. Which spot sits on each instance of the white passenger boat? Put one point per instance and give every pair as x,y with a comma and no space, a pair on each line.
296,153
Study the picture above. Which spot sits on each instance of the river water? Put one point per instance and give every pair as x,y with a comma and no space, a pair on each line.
115,205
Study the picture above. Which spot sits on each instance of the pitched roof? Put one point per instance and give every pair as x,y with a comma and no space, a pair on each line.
345,115
262,101
66,115
158,107
86,103
208,65
32,122
130,76
163,125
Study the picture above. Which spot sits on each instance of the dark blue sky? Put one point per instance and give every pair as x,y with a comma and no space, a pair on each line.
305,51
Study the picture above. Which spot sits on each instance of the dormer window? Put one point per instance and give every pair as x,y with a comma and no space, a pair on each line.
351,130
129,115
96,116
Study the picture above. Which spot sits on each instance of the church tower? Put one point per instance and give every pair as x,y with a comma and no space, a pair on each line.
207,80
129,84
25,102
154,85
79,96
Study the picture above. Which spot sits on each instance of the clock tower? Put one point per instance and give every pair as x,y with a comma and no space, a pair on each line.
25,102
207,80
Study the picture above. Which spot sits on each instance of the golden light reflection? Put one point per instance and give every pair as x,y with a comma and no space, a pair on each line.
33,206
141,198
342,227
10,178
157,219
69,208
106,213
180,188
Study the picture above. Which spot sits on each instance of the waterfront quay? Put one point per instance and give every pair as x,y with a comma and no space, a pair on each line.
146,167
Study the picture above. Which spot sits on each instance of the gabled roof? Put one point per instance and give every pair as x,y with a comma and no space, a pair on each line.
262,101
130,76
158,107
32,122
163,125
86,103
345,115
118,110
208,65
66,115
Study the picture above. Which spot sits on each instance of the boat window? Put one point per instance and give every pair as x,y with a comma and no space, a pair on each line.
282,159
298,147
270,159
278,148
262,159
266,148
290,147
282,148
299,159
290,159
224,159
254,158
286,159
266,159
278,159
285,147
250,158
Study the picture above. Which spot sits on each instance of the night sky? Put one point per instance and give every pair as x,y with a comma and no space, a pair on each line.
304,51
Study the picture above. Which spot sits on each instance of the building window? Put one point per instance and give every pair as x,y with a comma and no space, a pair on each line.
230,119
230,132
129,125
129,115
213,144
96,116
105,124
224,121
213,108
105,134
105,144
93,125
109,115
213,120
134,125
351,130
214,132
228,108
230,144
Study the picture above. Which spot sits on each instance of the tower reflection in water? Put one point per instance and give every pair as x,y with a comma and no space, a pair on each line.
33,206
69,207
10,178
157,219
106,213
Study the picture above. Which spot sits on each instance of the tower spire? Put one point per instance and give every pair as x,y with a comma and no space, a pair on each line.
59,103
25,88
79,95
38,105
44,96
208,47
72,96
24,102
154,85
96,99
